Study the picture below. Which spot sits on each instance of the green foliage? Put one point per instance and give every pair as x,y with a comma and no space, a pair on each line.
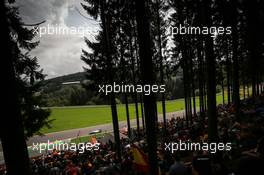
29,77
118,101
174,88
218,89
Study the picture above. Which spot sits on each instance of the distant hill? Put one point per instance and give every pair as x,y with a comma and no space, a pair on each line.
79,76
55,93
53,84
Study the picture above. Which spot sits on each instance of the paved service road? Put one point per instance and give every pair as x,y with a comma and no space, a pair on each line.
73,133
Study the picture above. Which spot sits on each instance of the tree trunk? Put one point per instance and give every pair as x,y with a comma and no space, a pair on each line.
134,80
222,83
192,86
142,112
248,93
145,54
228,72
107,42
200,78
128,117
161,66
236,87
137,115
253,38
135,93
211,80
123,73
12,131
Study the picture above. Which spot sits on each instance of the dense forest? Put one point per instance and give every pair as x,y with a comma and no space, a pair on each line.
134,46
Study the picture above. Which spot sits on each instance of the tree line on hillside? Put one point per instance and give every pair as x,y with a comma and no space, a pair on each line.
55,93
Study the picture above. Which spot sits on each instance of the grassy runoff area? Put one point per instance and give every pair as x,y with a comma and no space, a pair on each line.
84,116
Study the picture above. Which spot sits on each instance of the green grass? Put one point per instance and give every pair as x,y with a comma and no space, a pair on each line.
85,116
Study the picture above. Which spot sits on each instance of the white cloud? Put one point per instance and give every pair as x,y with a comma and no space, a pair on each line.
57,54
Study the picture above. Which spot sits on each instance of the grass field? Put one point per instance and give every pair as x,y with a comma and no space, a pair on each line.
85,116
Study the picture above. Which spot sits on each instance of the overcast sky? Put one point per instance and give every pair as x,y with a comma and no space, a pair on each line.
58,54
